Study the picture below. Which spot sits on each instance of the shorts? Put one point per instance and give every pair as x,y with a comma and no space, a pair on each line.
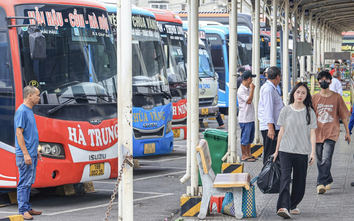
247,133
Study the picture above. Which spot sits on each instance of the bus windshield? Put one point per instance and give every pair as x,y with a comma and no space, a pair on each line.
174,50
244,43
80,64
149,71
206,69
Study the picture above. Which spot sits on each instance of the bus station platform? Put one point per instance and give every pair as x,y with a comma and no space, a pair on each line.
335,204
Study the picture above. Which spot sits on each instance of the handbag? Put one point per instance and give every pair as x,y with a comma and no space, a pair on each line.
270,176
248,202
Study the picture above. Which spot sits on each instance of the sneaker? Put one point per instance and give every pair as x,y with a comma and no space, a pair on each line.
328,186
283,212
321,189
295,211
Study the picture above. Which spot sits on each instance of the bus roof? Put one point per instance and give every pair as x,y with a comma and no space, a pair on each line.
88,3
165,15
135,10
185,26
212,30
225,29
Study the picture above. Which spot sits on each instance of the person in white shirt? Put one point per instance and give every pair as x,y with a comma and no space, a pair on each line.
336,85
246,115
270,105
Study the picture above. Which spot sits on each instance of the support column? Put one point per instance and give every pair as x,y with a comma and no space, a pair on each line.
257,65
189,98
309,40
285,70
323,47
273,45
119,107
318,56
194,102
294,60
125,101
302,63
233,84
315,41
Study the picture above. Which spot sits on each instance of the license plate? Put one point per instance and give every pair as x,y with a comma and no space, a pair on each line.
176,133
97,169
205,111
149,148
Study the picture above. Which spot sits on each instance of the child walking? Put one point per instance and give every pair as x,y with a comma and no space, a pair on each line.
296,140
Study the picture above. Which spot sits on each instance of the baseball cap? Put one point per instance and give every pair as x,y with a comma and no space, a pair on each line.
266,70
247,74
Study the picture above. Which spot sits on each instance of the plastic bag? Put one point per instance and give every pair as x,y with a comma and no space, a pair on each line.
269,177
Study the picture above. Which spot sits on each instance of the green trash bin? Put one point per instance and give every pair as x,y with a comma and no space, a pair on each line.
217,141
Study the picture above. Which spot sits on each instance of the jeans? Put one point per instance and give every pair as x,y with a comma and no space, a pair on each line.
296,163
247,133
27,177
324,153
219,120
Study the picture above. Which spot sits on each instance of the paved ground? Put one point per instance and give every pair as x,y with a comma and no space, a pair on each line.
157,191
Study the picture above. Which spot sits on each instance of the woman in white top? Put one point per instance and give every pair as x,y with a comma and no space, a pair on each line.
296,140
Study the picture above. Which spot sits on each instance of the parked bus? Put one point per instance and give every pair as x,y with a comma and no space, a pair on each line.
171,30
152,107
77,114
208,79
218,37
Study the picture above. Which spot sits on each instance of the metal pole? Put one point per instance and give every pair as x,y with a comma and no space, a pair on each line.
194,102
309,40
286,53
233,83
273,45
119,107
314,70
302,63
322,47
318,56
256,69
189,97
294,59
125,100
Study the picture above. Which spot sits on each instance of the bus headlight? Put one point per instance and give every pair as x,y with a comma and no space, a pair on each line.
169,127
52,150
215,101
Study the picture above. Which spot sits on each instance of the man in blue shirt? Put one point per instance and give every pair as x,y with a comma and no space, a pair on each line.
270,105
26,142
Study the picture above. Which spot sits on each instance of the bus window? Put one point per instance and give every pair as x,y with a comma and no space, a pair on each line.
216,50
7,96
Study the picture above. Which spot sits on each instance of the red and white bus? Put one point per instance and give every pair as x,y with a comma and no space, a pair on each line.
77,114
172,34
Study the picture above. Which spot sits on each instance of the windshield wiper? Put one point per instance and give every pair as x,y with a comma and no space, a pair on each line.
167,94
60,106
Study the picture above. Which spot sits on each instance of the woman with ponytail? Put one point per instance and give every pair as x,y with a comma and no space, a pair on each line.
296,140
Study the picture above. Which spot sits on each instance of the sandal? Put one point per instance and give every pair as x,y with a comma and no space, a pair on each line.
248,160
295,211
283,212
221,127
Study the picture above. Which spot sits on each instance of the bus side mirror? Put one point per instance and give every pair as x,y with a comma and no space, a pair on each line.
37,44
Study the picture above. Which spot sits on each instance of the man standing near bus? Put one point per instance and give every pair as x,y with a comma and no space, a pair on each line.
270,105
26,142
